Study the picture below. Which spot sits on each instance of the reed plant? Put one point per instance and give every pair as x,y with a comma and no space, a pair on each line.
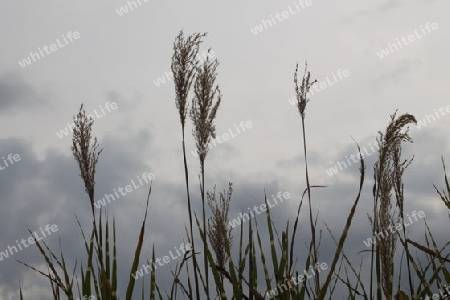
203,114
184,66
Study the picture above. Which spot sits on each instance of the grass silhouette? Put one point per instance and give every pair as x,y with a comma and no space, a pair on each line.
237,278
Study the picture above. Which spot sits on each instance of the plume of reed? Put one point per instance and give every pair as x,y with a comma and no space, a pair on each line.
219,232
183,68
303,90
203,114
86,151
184,65
388,173
203,111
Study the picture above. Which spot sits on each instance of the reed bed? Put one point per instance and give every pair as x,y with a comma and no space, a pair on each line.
244,269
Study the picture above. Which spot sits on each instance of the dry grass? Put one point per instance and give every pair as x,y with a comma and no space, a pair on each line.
183,67
388,172
219,231
86,151
204,110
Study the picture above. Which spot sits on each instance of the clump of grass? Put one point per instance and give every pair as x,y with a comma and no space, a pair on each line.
100,277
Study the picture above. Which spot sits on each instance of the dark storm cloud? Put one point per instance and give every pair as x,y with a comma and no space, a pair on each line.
16,93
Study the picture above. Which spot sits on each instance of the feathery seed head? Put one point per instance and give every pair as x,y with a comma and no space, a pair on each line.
183,67
388,176
203,110
302,91
85,150
219,233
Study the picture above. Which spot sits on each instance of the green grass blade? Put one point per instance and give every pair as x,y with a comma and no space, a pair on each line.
138,250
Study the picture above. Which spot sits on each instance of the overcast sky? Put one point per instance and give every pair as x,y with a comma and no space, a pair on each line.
122,56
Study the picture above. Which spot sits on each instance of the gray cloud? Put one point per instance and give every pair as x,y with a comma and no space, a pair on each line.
17,94
118,58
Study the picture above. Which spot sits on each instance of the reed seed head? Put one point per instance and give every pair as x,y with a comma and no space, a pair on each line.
203,111
219,232
86,150
388,176
183,67
302,91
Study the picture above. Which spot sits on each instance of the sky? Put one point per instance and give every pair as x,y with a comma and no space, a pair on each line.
370,59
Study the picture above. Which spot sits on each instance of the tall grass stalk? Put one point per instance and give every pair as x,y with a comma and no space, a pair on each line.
203,114
302,99
183,68
388,172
